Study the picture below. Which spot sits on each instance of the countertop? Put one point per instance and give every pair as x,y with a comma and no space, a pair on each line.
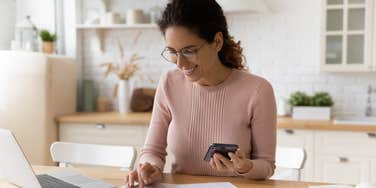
106,118
144,119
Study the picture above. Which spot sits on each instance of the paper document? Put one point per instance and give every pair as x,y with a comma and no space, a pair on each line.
332,186
195,185
201,185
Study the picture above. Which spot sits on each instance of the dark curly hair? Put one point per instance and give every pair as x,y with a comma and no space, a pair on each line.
206,19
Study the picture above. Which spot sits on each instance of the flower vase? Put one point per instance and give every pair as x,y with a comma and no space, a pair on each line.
124,96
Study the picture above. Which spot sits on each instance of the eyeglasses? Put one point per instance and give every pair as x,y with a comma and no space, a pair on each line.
189,53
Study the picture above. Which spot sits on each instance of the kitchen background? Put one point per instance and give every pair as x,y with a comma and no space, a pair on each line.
282,43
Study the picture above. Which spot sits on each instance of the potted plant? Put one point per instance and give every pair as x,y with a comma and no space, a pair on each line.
316,107
48,41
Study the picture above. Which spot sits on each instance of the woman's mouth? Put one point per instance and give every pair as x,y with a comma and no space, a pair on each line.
189,72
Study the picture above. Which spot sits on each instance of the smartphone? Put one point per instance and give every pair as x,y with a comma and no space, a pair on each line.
222,149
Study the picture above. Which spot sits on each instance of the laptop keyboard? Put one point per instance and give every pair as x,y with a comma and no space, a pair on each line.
47,181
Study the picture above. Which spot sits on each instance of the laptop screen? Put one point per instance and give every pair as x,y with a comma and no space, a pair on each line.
14,166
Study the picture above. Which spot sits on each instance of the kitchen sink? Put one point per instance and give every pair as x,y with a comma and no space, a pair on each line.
355,120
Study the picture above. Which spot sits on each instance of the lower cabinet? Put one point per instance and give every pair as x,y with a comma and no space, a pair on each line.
131,135
344,157
334,156
343,169
126,135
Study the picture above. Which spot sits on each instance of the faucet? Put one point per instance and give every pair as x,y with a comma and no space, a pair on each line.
369,100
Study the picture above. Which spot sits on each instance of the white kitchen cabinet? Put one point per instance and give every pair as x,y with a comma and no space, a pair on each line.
127,135
347,44
342,142
344,169
301,139
344,157
132,135
334,156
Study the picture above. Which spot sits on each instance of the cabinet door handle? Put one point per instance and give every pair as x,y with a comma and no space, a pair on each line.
371,135
343,159
289,131
100,126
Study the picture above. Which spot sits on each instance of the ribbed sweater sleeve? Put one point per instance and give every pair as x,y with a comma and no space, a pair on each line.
263,133
154,150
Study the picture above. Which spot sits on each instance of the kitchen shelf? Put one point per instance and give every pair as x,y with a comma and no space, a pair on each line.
101,29
117,26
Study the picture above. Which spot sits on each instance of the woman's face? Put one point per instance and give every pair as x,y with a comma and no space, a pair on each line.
194,56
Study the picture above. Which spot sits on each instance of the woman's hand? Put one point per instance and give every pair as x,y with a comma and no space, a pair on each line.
238,163
145,174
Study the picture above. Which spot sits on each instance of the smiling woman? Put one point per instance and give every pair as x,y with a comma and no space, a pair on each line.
209,98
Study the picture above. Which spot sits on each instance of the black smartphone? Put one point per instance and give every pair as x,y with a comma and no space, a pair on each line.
222,149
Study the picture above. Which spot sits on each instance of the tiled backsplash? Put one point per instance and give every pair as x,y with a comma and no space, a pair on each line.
282,45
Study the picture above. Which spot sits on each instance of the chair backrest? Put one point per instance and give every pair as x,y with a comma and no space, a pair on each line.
289,162
94,155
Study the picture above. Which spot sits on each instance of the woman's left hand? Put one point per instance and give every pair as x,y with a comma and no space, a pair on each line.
238,163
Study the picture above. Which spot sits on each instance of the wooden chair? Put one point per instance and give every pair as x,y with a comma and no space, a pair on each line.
289,162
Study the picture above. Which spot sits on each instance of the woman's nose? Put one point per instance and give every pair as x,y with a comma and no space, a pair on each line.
181,61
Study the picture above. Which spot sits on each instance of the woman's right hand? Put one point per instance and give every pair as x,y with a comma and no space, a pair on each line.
145,174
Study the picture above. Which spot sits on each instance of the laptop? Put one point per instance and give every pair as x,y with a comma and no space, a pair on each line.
15,168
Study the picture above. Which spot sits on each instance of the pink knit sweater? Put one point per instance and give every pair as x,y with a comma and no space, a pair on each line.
188,117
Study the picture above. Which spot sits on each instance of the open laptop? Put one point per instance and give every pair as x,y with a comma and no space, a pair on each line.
15,168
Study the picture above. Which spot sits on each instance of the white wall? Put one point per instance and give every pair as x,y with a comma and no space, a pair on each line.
42,12
7,22
281,45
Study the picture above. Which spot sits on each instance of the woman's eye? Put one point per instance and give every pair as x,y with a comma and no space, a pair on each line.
171,52
188,52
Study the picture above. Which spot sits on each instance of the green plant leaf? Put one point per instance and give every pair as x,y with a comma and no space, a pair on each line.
322,99
299,99
46,36
318,99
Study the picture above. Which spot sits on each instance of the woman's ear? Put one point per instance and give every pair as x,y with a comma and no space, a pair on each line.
218,41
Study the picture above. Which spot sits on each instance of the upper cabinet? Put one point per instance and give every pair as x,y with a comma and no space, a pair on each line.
347,44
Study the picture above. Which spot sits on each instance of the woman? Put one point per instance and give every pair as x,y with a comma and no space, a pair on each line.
209,98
